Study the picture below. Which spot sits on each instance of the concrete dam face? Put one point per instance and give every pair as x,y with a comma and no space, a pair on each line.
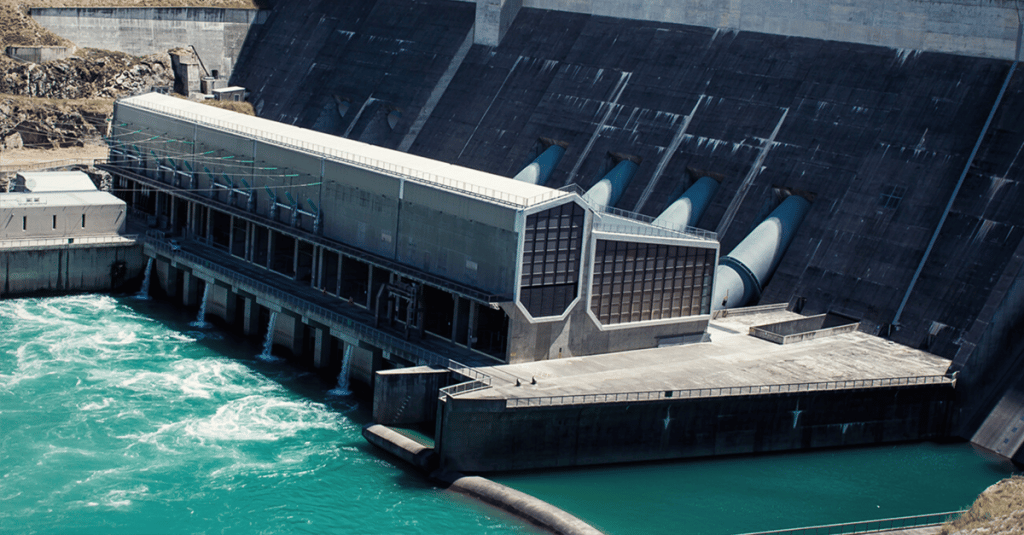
913,170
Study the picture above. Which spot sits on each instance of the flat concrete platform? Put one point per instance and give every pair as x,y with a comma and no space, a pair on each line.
732,358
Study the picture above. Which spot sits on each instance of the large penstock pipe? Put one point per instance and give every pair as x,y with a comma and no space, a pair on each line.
540,169
608,190
688,208
742,274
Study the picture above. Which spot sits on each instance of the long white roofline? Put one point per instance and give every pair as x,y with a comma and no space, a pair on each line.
479,184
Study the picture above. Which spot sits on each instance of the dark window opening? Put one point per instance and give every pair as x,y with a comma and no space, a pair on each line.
54,222
83,220
220,230
24,222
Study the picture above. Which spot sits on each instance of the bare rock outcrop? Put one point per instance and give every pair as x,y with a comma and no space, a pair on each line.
90,74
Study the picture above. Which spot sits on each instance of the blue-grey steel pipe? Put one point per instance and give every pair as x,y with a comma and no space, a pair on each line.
688,208
742,274
608,190
540,169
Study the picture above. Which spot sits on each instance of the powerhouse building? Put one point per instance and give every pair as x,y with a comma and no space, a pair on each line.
504,267
63,205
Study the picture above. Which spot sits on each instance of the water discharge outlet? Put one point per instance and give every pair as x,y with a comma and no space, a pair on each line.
143,294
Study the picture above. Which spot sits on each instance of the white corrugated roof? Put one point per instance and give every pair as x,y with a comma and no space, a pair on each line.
41,181
418,168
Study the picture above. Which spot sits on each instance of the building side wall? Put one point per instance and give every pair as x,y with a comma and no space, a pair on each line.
483,435
37,221
453,235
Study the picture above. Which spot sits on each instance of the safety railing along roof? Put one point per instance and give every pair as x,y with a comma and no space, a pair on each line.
68,241
656,395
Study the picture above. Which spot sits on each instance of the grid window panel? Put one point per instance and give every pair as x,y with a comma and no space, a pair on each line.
549,283
641,282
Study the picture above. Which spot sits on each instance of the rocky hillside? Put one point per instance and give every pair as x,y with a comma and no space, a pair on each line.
997,511
67,102
88,75
49,123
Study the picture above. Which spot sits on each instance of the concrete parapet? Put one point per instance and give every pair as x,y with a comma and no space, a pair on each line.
523,505
964,27
482,435
69,269
407,396
401,446
38,54
819,326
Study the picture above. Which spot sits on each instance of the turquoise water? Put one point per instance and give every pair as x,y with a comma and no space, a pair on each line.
726,496
117,417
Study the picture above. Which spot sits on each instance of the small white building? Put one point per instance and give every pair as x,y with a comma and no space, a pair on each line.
59,205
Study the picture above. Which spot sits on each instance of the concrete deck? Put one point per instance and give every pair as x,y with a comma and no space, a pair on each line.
732,358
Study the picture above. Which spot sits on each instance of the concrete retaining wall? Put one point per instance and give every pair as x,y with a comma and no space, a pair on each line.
985,28
483,436
217,34
71,269
38,54
407,396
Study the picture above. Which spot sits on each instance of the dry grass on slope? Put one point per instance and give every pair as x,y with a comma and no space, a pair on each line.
999,510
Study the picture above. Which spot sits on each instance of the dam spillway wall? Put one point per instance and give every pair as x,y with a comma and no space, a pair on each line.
356,65
877,136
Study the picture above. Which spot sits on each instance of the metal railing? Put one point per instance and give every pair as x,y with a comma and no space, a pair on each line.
656,395
50,164
657,230
364,332
869,526
462,388
66,241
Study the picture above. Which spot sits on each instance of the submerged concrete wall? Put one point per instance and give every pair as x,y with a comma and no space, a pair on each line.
985,28
477,435
217,34
67,269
